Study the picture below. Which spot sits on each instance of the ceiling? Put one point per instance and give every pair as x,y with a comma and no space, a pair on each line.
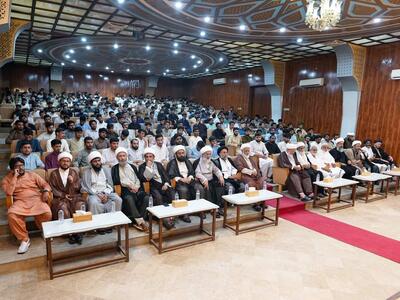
364,22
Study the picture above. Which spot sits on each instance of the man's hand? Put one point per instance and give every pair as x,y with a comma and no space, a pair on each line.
16,172
68,197
70,179
164,187
221,181
297,167
254,172
133,189
46,196
205,184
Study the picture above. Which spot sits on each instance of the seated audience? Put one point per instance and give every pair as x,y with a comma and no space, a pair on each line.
102,141
124,139
271,145
32,160
135,154
51,160
60,135
348,140
76,144
17,133
339,155
69,131
92,131
381,156
81,159
49,134
28,137
258,149
329,162
234,141
356,157
109,155
160,150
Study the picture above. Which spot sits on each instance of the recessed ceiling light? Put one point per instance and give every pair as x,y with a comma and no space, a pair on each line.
175,51
303,72
147,48
164,74
312,74
62,64
175,44
282,29
377,20
88,76
88,65
112,71
167,70
40,50
194,66
74,61
118,80
207,70
242,27
199,62
128,70
72,51
116,46
299,40
202,33
105,78
83,39
148,71
107,68
183,69
250,75
221,59
88,47
192,56
67,56
207,19
121,1
178,5
101,75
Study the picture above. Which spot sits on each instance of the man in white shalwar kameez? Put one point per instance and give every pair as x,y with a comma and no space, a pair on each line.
258,148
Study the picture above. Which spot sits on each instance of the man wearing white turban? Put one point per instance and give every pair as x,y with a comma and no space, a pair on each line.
339,155
65,184
356,156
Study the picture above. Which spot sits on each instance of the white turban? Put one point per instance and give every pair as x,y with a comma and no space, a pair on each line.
324,144
300,144
339,140
149,150
351,134
291,146
119,150
179,147
64,155
244,146
355,143
205,149
93,155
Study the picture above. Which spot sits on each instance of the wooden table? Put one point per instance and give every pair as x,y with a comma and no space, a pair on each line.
240,199
163,212
337,183
370,181
396,175
54,229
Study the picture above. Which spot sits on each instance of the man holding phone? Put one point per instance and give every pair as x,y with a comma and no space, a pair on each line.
30,196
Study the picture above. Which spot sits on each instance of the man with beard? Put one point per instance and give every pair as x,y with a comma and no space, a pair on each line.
65,184
51,160
195,138
356,157
77,143
181,170
258,149
30,195
135,154
381,157
32,160
28,137
82,158
97,182
160,150
348,140
211,179
234,141
134,202
49,134
109,155
154,173
271,145
340,156
102,142
229,171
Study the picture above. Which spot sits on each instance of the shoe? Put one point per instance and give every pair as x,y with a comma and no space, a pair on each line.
24,246
168,224
101,231
305,199
108,230
321,195
202,216
186,219
71,239
221,211
145,226
79,238
257,207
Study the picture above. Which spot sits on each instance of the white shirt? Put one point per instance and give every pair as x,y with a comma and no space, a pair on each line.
99,182
45,136
101,125
134,155
109,157
183,170
94,134
258,148
227,168
282,146
161,153
194,140
64,175
64,146
124,143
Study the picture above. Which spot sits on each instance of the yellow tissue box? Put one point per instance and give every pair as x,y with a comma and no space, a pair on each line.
396,169
179,203
365,174
252,193
328,179
87,216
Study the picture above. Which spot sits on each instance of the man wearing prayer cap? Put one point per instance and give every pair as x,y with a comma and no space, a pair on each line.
356,156
98,183
348,140
298,182
181,172
153,173
211,178
134,202
339,155
65,184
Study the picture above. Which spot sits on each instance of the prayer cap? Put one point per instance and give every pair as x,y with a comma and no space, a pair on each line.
179,147
247,145
356,142
64,155
205,149
149,150
93,155
291,146
120,149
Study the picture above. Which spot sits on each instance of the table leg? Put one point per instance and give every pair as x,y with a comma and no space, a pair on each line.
237,219
160,235
214,221
150,227
368,191
387,187
201,223
278,200
329,200
119,235
127,241
225,213
396,185
315,195
339,194
353,194
49,257
262,210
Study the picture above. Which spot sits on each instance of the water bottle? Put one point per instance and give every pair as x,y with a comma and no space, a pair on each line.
197,195
246,187
113,206
61,216
318,177
264,185
83,207
150,201
176,196
357,172
230,190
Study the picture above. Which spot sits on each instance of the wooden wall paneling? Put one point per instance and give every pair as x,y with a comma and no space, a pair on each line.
260,102
23,76
317,107
379,110
168,87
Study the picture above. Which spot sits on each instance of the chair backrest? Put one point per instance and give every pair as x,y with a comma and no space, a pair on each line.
44,156
43,145
6,112
275,160
40,172
14,146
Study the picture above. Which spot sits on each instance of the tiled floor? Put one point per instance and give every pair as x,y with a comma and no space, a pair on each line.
284,262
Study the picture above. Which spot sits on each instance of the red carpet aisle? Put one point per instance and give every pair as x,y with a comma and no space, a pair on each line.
294,211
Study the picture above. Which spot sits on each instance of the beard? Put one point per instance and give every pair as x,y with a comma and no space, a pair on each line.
135,148
340,149
64,168
181,158
96,169
123,163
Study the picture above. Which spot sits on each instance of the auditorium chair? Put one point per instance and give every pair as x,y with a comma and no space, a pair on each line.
44,154
43,145
279,175
6,114
13,146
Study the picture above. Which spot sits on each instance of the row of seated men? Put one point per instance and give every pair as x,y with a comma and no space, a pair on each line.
212,178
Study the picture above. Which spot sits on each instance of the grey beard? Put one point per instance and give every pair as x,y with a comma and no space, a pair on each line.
340,149
123,163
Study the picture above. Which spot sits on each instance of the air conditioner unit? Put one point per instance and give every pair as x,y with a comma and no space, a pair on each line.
314,82
219,81
395,75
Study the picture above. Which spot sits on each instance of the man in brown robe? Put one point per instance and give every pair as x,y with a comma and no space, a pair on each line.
65,184
298,182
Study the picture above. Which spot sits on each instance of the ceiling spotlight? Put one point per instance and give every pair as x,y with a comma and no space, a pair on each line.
121,1
312,74
183,69
74,61
83,39
194,66
62,64
116,46
105,78
40,50
147,48
242,27
72,51
207,19
148,71
88,65
377,20
175,44
221,59
112,71
299,40
128,70
199,62
101,75
88,76
250,75
175,51
167,70
207,70
192,56
88,47
178,5
107,68
67,56
282,29
164,74
303,72
118,80
202,33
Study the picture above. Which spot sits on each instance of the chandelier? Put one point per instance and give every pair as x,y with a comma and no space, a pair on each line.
323,14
